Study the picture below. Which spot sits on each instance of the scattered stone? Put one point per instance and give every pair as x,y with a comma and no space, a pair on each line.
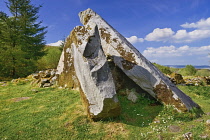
196,81
132,97
174,128
34,90
208,122
208,113
199,120
188,136
47,85
20,99
4,85
204,136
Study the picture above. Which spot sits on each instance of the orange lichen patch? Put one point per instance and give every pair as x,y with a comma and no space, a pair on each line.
105,35
165,96
127,64
129,60
86,19
80,30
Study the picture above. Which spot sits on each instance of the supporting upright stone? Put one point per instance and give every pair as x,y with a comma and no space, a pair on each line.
135,65
84,59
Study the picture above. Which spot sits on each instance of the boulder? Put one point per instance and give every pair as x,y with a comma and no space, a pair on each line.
177,78
135,65
132,96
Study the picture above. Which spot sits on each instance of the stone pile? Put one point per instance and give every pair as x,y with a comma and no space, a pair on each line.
176,78
85,65
197,81
45,78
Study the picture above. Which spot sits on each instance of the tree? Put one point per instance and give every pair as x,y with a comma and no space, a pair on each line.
22,38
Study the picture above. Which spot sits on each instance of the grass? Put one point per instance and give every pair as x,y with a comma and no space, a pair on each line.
52,113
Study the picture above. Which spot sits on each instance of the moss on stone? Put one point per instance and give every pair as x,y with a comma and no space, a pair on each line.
68,77
127,65
165,96
110,109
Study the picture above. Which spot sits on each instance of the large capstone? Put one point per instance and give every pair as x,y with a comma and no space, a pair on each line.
135,65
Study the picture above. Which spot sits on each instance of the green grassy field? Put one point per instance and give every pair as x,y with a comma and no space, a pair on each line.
52,113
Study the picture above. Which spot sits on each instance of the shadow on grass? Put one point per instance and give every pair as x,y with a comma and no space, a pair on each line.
140,114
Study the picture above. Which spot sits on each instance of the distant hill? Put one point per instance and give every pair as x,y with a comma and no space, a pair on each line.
183,66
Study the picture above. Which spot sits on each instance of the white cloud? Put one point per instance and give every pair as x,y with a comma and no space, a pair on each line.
203,24
181,36
58,43
135,39
172,51
160,35
167,35
184,36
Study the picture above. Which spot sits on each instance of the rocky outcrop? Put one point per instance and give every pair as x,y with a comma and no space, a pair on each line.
135,65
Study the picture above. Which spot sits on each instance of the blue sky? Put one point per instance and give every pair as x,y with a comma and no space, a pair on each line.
164,31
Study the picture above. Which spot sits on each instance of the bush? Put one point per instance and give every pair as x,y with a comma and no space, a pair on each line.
189,70
50,60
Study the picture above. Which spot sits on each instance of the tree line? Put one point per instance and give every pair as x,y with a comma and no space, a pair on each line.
21,39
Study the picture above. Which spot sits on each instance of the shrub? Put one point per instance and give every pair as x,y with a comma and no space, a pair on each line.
189,70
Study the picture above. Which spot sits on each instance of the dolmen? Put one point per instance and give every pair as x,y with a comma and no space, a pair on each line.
84,65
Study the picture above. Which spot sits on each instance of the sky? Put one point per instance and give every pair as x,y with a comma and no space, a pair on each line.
167,32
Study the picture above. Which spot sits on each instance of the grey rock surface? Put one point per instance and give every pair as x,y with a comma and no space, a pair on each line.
83,65
132,97
135,65
208,122
95,77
